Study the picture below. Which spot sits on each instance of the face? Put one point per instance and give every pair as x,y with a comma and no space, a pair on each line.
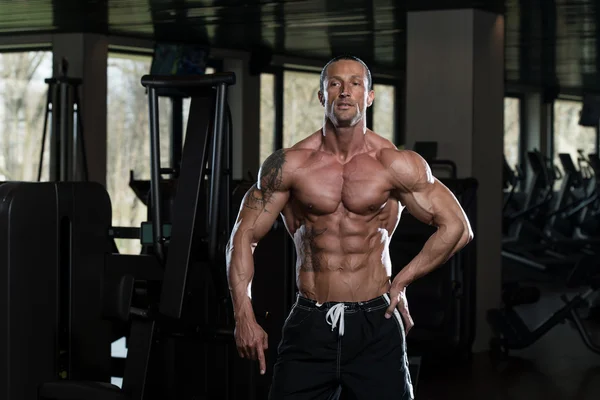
346,95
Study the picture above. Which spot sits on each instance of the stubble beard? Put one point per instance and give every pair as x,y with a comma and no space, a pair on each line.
344,123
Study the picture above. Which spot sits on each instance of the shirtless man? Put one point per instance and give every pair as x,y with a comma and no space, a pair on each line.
341,192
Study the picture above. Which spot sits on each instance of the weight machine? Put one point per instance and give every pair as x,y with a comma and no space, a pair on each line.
174,297
68,159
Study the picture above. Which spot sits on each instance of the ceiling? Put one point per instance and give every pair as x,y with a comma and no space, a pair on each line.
553,43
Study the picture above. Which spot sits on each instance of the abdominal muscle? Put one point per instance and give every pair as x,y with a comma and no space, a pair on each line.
335,266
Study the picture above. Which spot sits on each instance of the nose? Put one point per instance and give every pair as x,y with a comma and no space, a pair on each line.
344,93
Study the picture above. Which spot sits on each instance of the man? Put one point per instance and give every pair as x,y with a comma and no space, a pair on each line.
340,192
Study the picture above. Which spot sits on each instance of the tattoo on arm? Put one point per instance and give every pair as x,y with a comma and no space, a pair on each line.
270,181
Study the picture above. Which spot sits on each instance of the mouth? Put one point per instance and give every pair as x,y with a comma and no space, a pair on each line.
344,106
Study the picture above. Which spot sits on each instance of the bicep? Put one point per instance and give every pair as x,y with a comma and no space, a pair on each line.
423,195
432,203
258,212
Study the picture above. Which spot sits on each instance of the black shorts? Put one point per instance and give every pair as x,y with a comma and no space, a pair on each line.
342,350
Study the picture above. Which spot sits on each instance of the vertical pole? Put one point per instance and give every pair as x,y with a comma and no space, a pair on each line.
278,120
176,132
216,172
156,203
74,142
64,135
46,115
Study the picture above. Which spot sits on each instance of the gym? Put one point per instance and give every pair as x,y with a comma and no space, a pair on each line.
130,132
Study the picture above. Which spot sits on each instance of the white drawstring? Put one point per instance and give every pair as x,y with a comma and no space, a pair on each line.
335,314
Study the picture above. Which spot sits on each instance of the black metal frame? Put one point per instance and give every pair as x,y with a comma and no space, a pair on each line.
122,270
190,184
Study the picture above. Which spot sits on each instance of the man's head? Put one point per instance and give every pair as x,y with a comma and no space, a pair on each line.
346,90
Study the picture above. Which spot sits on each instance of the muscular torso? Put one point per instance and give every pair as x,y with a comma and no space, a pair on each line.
341,216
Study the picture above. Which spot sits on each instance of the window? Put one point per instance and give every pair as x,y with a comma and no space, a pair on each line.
302,111
128,136
512,130
569,136
384,111
267,116
22,111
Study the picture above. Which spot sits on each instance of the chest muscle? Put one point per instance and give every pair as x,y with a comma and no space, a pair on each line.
360,189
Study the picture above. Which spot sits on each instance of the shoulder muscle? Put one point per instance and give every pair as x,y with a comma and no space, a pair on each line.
409,171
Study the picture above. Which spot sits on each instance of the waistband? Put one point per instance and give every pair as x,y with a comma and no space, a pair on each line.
377,302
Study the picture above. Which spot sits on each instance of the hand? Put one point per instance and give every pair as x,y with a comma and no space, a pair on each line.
398,299
252,341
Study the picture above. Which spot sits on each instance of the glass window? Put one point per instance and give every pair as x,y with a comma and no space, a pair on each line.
267,116
23,97
512,130
569,136
302,111
128,139
384,111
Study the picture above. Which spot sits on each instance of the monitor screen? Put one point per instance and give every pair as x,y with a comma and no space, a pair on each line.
178,59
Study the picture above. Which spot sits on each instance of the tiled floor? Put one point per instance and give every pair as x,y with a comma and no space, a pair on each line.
557,367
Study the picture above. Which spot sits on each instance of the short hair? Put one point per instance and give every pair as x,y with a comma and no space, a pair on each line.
346,57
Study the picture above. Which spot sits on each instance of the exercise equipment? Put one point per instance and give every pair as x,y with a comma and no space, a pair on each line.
511,332
510,182
53,242
534,240
589,221
439,167
68,158
174,296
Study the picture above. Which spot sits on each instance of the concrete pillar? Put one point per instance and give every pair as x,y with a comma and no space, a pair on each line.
455,96
87,57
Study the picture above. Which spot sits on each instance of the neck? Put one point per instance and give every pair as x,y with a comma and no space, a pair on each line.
344,142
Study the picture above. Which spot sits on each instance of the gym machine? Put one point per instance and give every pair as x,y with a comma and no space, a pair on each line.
53,240
511,332
173,299
68,160
528,243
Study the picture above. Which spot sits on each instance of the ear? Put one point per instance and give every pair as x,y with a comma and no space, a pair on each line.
370,98
321,98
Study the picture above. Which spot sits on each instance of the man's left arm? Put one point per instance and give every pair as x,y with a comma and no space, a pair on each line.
431,202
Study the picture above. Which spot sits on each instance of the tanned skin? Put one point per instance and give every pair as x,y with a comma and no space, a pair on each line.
341,192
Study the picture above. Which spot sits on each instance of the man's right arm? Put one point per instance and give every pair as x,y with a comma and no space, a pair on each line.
259,210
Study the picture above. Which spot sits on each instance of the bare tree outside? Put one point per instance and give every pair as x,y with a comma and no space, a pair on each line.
512,130
267,116
128,140
383,111
22,111
569,136
302,111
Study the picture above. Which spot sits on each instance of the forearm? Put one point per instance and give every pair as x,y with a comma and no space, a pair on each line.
438,249
240,272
